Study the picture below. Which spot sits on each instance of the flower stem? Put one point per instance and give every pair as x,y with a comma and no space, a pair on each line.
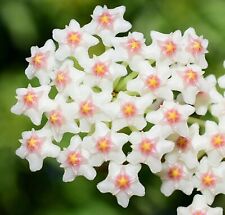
122,83
192,120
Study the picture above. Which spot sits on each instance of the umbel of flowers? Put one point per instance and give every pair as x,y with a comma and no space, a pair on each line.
157,91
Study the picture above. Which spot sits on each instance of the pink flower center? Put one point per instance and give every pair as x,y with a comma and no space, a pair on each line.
172,116
74,159
175,173
100,69
168,48
105,19
153,82
33,143
198,212
104,145
182,143
62,79
208,180
87,108
190,77
30,99
218,140
129,110
134,46
73,38
196,46
39,60
123,182
147,146
56,118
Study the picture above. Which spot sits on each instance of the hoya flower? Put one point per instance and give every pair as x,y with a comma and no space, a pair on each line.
128,111
153,81
123,182
172,115
107,23
103,70
209,179
66,78
195,48
218,106
32,102
176,176
214,141
36,146
105,145
189,81
186,148
221,79
75,161
133,50
199,206
73,41
61,118
42,62
149,147
90,107
166,48
207,96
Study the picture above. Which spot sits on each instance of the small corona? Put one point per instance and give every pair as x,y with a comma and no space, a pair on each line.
74,159
104,145
105,19
73,38
190,77
218,141
87,108
175,173
122,182
172,116
129,110
168,48
152,82
147,147
100,69
208,180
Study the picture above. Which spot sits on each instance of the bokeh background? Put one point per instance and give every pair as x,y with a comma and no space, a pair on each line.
24,23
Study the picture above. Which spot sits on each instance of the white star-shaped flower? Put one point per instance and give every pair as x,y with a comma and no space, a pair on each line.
36,146
189,81
103,70
42,62
176,176
105,145
149,147
209,179
128,111
107,23
73,41
61,117
75,161
133,50
123,182
90,107
186,148
32,102
172,115
66,77
152,81
213,141
166,48
199,206
195,48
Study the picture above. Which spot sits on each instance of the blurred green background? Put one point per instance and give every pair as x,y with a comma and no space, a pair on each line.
24,23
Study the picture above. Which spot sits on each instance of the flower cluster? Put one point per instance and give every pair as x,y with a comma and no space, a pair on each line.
147,97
